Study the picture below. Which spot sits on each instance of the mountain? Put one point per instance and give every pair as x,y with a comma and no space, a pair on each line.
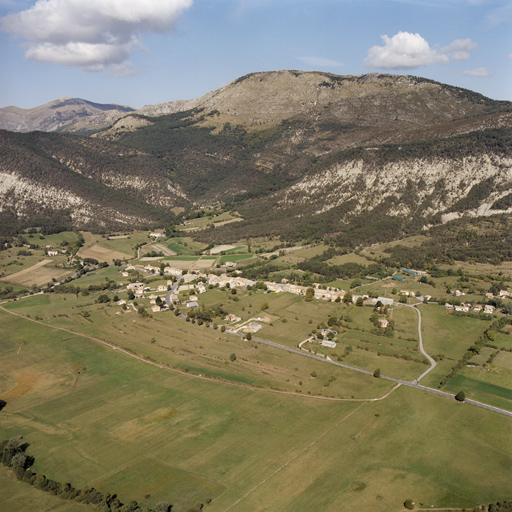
300,154
64,114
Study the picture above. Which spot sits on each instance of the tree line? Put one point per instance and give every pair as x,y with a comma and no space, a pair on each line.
14,456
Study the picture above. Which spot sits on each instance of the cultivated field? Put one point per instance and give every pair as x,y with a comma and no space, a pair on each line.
39,274
103,254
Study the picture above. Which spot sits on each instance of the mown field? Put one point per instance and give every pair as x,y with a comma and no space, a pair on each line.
124,425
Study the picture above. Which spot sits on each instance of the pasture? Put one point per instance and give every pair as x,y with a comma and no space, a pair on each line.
124,425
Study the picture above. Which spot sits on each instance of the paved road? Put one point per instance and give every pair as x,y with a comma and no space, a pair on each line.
413,384
172,290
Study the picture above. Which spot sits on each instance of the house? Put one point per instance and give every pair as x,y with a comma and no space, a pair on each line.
135,286
156,235
385,301
121,302
161,288
151,268
383,323
193,298
328,343
201,288
192,304
448,306
477,308
188,278
232,318
156,309
170,271
488,309
457,293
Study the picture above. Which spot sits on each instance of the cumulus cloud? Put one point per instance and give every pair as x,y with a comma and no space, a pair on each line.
94,35
403,51
478,72
459,49
320,62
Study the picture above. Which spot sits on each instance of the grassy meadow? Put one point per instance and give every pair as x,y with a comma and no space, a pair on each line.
97,417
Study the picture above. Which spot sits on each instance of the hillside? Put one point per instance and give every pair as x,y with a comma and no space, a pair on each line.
299,154
66,114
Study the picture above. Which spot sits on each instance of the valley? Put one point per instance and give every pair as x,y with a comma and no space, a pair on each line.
291,294
119,384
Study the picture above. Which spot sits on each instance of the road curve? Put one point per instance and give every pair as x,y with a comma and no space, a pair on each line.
422,350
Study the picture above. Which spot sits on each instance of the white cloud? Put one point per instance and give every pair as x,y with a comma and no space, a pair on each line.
459,49
478,72
95,35
321,62
403,51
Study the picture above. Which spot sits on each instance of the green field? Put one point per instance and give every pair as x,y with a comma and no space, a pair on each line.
138,430
235,257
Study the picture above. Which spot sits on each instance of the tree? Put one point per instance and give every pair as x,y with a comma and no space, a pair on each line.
409,504
3,403
376,373
347,298
310,293
460,396
163,506
232,357
248,336
359,301
264,306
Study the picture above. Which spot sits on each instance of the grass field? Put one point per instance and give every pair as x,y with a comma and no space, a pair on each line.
235,257
138,430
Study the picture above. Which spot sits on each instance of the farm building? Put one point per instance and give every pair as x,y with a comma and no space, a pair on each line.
409,272
398,278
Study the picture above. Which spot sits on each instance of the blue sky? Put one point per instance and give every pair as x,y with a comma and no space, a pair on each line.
142,52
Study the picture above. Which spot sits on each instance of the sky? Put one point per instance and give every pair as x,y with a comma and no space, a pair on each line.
143,52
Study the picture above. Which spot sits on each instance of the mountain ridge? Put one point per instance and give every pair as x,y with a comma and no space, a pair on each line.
292,151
